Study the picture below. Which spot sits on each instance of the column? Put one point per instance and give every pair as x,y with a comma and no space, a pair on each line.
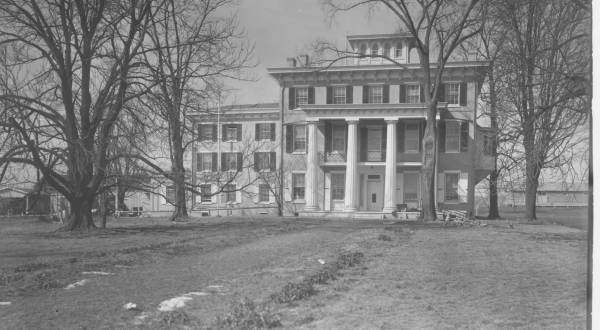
351,167
389,201
312,161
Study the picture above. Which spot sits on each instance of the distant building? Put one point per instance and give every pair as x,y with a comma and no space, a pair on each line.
554,194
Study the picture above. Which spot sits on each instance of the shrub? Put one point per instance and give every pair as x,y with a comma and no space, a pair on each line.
173,318
349,259
294,291
247,315
323,276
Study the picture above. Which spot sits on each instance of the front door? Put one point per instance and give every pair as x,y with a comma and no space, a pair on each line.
374,195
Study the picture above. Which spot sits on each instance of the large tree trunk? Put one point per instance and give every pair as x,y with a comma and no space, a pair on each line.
494,212
428,170
530,199
180,208
81,214
102,208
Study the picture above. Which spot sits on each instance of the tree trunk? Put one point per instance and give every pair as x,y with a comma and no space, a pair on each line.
494,212
428,170
530,199
121,199
81,214
180,207
102,208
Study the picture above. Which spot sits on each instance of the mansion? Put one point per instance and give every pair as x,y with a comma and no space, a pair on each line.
344,140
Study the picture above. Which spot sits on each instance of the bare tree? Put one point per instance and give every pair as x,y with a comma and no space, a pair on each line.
438,27
71,63
545,61
191,46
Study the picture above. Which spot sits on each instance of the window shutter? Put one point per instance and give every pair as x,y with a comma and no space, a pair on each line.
464,136
256,130
289,131
363,144
349,97
199,161
272,131
383,142
328,137
292,98
402,93
239,161
386,93
272,160
223,162
306,137
440,187
400,136
239,132
214,133
463,93
311,95
365,94
329,95
421,134
441,92
256,161
215,161
442,136
223,132
199,130
421,94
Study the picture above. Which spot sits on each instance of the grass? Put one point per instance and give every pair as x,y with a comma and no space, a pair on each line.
532,276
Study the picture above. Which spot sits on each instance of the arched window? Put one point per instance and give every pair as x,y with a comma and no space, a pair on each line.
363,49
375,49
398,50
387,50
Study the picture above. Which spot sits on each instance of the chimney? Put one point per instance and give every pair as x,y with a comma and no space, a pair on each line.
291,62
303,60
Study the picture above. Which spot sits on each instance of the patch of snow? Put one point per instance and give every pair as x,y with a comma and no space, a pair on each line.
198,293
76,284
173,303
321,261
5,303
138,320
97,273
129,306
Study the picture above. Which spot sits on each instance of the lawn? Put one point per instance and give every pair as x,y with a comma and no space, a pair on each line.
409,276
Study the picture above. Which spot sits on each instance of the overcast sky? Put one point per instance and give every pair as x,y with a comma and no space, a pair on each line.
285,28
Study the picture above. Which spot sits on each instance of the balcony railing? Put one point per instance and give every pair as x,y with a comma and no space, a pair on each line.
332,157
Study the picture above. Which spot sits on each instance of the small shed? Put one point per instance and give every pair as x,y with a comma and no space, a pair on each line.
554,194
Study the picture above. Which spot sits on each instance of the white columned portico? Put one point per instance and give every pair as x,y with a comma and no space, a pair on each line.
389,201
350,200
312,161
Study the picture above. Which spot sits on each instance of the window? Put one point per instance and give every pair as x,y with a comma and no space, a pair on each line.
374,144
301,96
363,49
452,136
205,195
452,93
297,186
263,193
411,137
205,162
338,138
263,161
411,187
451,187
339,95
206,132
375,94
170,194
375,49
413,94
338,185
230,193
229,161
299,138
231,133
487,145
263,131
398,50
387,50
147,195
